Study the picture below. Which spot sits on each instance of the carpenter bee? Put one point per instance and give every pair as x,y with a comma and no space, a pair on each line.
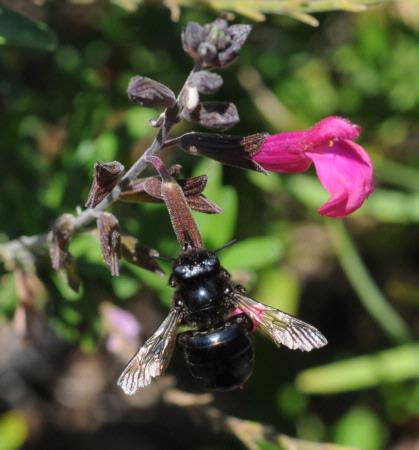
218,348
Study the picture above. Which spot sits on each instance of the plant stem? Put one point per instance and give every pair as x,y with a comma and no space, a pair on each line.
369,293
170,118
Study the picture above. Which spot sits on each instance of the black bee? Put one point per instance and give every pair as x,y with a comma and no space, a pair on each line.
218,349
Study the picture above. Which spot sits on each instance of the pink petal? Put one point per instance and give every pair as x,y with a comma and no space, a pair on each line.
345,170
284,152
122,321
333,128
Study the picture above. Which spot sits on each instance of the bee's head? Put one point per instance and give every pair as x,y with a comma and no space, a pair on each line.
195,262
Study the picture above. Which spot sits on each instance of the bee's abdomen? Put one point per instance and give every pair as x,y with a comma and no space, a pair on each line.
221,359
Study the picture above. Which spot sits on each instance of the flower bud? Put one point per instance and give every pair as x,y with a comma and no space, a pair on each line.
106,177
206,82
238,35
216,44
110,241
192,37
152,94
214,115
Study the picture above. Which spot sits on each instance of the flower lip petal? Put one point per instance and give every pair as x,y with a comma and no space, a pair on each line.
345,171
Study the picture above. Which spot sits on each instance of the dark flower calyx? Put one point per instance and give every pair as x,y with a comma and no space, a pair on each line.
72,273
110,241
60,237
214,115
150,93
231,150
216,44
206,82
180,214
149,190
106,177
136,253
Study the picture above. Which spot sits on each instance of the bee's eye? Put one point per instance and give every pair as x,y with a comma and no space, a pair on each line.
180,270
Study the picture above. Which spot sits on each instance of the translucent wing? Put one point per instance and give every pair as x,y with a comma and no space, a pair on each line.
152,358
281,327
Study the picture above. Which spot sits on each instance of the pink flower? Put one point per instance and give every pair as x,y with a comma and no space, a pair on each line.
122,330
343,167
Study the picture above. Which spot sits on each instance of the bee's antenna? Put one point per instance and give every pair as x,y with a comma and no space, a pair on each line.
164,258
229,244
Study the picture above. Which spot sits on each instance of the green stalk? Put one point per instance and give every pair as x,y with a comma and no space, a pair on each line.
396,173
368,292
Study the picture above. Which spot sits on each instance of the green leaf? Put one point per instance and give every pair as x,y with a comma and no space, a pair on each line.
213,170
268,183
72,316
253,254
154,281
389,366
361,429
136,120
217,230
52,195
306,189
124,287
13,430
291,402
63,288
8,296
279,288
16,29
369,293
392,206
267,446
86,246
106,147
385,205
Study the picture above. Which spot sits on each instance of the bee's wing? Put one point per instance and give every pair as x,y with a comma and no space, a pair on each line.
153,357
282,328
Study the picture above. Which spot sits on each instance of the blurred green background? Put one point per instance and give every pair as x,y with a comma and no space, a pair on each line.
63,106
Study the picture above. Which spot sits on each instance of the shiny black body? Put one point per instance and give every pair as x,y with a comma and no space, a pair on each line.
218,350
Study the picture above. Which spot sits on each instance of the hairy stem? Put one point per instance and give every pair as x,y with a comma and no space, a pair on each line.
170,118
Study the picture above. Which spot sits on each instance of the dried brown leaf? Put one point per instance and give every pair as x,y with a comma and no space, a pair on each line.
148,190
106,177
138,254
60,237
180,214
110,241
72,273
